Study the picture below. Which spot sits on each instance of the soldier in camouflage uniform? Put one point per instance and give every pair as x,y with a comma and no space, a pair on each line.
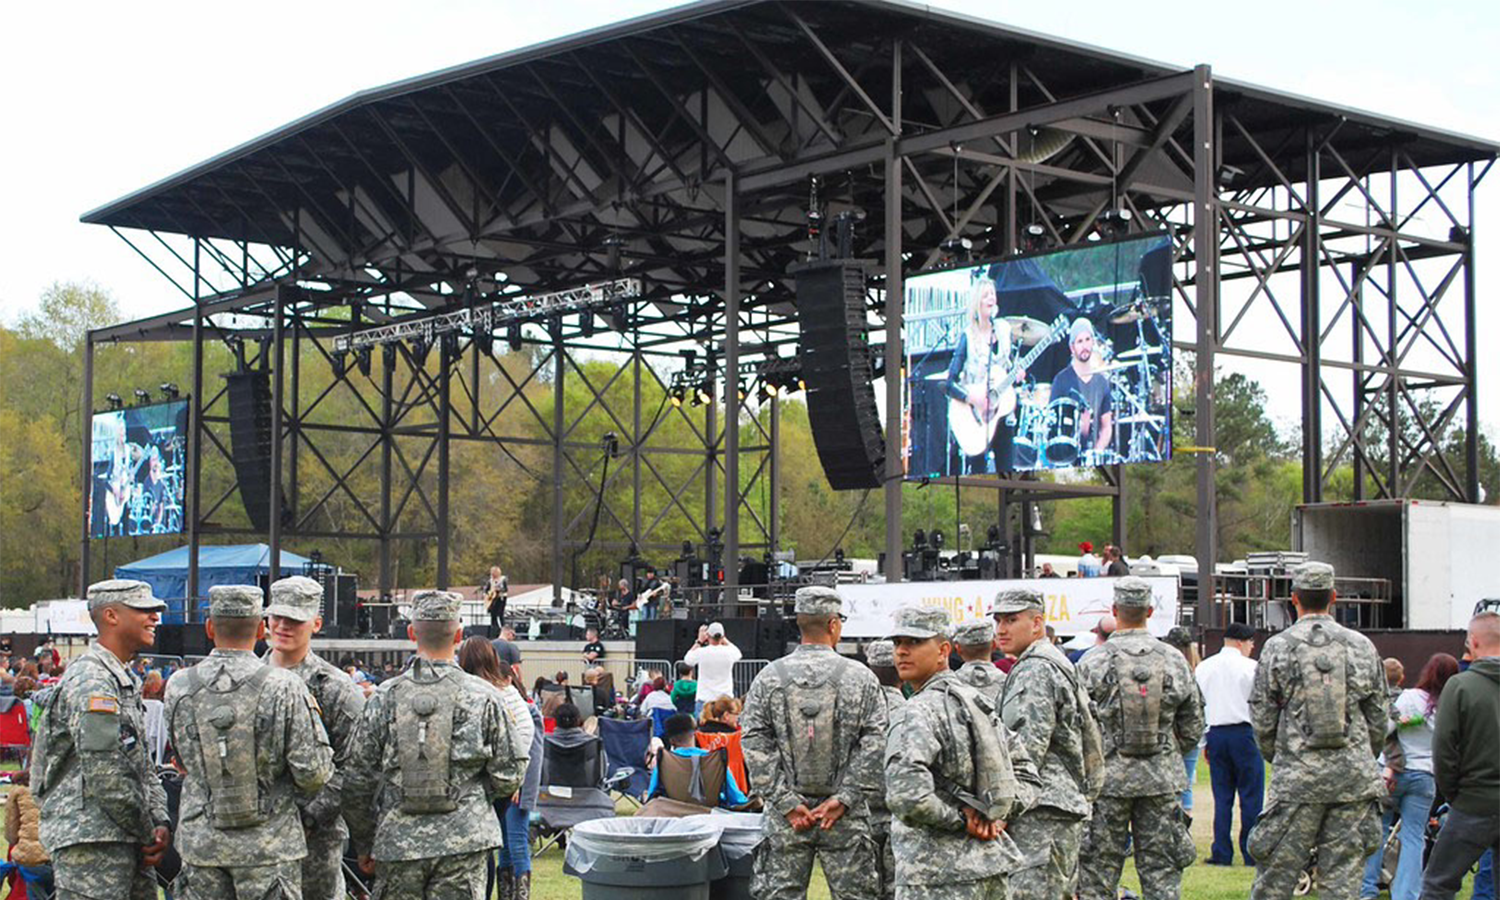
1150,714
249,738
975,641
880,656
103,811
814,727
1054,720
949,781
1319,712
294,616
432,751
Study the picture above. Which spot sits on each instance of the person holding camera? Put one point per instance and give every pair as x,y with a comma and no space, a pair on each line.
714,656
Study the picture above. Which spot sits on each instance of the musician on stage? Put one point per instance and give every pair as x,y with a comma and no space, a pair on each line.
496,595
1079,381
982,360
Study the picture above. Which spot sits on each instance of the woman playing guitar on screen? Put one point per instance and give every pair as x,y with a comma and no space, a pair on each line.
982,359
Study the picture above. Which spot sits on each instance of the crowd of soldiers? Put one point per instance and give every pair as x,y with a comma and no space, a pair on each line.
903,777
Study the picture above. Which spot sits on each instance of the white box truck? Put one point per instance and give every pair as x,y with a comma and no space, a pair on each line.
1442,559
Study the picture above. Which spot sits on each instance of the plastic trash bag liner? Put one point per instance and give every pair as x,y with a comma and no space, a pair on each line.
614,844
742,832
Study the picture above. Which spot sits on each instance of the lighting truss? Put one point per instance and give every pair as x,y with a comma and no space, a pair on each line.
489,316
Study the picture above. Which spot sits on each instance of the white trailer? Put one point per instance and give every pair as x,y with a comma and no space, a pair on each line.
1439,557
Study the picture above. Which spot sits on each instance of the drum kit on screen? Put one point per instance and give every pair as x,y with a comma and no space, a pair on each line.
1048,428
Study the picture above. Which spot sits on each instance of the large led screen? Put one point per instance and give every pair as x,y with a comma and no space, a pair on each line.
138,458
1048,361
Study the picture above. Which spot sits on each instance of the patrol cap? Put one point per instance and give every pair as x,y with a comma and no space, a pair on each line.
435,606
1313,576
1179,637
974,633
881,653
296,597
920,622
134,594
1132,591
818,601
1014,600
234,601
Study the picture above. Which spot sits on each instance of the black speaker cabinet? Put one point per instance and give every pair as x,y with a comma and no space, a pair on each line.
835,354
249,396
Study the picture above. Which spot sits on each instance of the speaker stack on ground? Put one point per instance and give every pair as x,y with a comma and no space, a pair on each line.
836,367
249,396
671,639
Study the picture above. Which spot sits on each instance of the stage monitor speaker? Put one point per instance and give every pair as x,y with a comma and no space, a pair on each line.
743,633
667,639
835,355
249,396
169,639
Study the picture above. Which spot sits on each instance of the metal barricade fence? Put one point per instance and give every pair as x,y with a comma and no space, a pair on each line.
744,672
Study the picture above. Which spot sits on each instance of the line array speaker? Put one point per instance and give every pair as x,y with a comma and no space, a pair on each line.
249,396
835,356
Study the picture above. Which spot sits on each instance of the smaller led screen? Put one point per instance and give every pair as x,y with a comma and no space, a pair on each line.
1049,361
139,456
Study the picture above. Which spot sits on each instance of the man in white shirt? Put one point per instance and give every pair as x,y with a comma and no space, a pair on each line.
714,657
1235,765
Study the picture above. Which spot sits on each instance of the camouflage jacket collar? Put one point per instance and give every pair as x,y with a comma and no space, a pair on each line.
940,678
813,648
1041,647
112,664
230,654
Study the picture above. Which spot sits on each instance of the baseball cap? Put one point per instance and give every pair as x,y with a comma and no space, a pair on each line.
715,629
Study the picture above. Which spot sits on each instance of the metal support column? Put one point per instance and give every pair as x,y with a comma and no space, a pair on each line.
774,513
278,397
711,436
559,425
86,460
732,405
293,487
195,450
894,306
1117,509
1206,300
1471,359
1312,327
637,444
1357,311
445,417
387,411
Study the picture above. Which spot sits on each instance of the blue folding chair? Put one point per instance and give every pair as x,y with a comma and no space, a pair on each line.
625,744
659,719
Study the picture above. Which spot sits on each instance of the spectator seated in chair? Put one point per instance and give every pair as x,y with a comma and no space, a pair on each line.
690,774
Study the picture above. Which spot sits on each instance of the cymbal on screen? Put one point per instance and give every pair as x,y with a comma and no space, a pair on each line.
1131,313
1026,329
1135,352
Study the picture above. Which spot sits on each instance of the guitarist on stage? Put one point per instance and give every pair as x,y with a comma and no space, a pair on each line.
982,358
496,593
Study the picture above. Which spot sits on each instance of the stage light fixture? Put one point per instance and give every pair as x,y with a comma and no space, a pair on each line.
419,349
765,393
958,249
142,396
513,336
169,390
114,400
919,539
676,396
619,318
701,395
364,359
739,391
586,323
484,340
337,357
936,538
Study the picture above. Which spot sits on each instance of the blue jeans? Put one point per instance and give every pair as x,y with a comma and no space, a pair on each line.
1484,880
1190,763
1235,768
1413,798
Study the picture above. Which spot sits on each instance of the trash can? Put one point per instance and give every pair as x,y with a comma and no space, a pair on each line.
742,835
646,858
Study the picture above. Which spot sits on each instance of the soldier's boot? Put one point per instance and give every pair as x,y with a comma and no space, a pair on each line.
523,886
506,882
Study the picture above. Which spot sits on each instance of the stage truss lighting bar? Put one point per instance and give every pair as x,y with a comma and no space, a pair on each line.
489,316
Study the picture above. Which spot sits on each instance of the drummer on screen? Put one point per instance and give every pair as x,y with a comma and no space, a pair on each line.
1080,382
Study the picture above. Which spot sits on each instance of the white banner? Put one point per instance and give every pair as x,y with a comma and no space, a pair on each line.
64,617
1073,604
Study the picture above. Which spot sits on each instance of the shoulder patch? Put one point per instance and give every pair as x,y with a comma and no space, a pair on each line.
312,704
103,703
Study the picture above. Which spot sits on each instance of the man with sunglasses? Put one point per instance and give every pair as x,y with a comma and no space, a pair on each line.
814,731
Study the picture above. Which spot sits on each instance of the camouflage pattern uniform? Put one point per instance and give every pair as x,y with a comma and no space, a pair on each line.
340,702
291,756
1321,796
786,691
882,654
435,855
981,674
1041,704
930,756
98,794
1141,792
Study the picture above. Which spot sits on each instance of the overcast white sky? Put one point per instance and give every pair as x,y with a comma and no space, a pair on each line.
102,98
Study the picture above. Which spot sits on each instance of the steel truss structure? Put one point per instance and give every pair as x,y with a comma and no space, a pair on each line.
680,149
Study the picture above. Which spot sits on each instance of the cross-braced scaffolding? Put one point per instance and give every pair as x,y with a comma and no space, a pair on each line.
680,149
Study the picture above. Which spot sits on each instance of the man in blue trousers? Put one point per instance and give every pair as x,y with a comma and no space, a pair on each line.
1235,765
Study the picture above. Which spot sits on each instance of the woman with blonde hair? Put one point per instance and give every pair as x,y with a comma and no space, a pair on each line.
980,362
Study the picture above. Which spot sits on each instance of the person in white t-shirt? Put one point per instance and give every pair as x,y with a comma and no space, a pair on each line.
714,656
1235,765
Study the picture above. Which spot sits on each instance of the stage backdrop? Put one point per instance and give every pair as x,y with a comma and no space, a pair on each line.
1049,361
1073,604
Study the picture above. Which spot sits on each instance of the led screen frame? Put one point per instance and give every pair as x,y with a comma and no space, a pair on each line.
962,415
138,460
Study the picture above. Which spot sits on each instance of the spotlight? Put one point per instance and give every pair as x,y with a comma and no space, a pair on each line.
739,391
586,323
388,355
937,539
619,318
677,395
1114,222
765,393
169,390
701,396
338,364
142,396
957,248
801,384
363,359
115,401
513,336
1034,238
419,350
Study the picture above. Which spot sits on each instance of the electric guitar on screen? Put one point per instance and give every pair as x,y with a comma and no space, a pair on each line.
973,430
122,490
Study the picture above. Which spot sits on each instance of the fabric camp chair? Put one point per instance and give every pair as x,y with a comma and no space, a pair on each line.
659,719
574,789
733,747
625,744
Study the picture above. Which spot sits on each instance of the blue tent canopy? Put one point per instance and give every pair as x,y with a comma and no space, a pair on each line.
233,564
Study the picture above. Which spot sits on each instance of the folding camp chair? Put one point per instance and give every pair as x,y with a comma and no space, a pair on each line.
15,731
574,789
659,719
626,742
732,744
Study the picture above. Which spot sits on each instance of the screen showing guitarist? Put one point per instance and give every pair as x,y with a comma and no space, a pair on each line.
982,358
1080,382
